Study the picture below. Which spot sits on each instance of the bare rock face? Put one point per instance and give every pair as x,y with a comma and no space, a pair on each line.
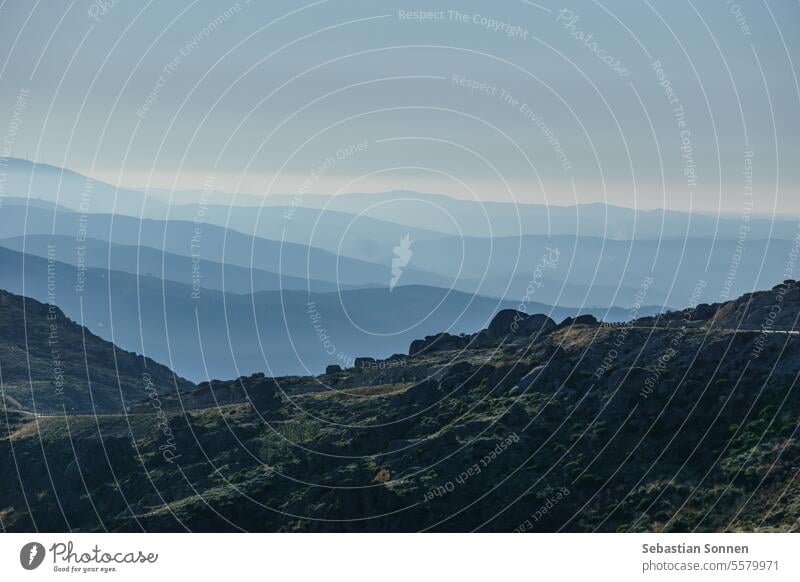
438,343
258,389
333,369
580,320
704,312
361,363
537,323
773,310
776,309
517,323
508,322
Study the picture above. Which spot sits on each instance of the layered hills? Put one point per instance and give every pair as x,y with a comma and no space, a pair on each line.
205,333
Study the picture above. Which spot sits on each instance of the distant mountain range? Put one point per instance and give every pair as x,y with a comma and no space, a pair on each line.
209,334
596,271
204,242
369,214
590,271
149,262
217,286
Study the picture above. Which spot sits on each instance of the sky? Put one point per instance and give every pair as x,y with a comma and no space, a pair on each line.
683,105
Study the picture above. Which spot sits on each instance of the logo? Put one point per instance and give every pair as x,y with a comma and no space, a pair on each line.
31,555
402,255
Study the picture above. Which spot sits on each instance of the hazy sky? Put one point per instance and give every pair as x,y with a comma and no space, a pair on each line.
646,104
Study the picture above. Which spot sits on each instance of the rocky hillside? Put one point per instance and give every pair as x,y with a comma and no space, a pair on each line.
680,423
773,310
49,363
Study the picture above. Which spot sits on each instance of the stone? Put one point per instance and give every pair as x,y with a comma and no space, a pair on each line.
517,323
361,363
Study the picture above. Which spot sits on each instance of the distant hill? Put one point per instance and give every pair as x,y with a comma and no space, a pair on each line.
45,182
480,218
208,242
354,235
591,271
374,215
151,262
209,334
597,271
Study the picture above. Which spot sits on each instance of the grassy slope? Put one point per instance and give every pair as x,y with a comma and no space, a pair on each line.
711,447
49,362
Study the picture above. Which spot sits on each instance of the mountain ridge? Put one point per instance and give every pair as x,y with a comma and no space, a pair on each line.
579,418
50,363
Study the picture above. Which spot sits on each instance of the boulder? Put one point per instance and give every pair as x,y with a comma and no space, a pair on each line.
438,343
361,363
517,323
704,312
537,323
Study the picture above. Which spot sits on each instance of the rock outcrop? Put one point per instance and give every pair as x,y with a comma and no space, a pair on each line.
438,343
517,323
